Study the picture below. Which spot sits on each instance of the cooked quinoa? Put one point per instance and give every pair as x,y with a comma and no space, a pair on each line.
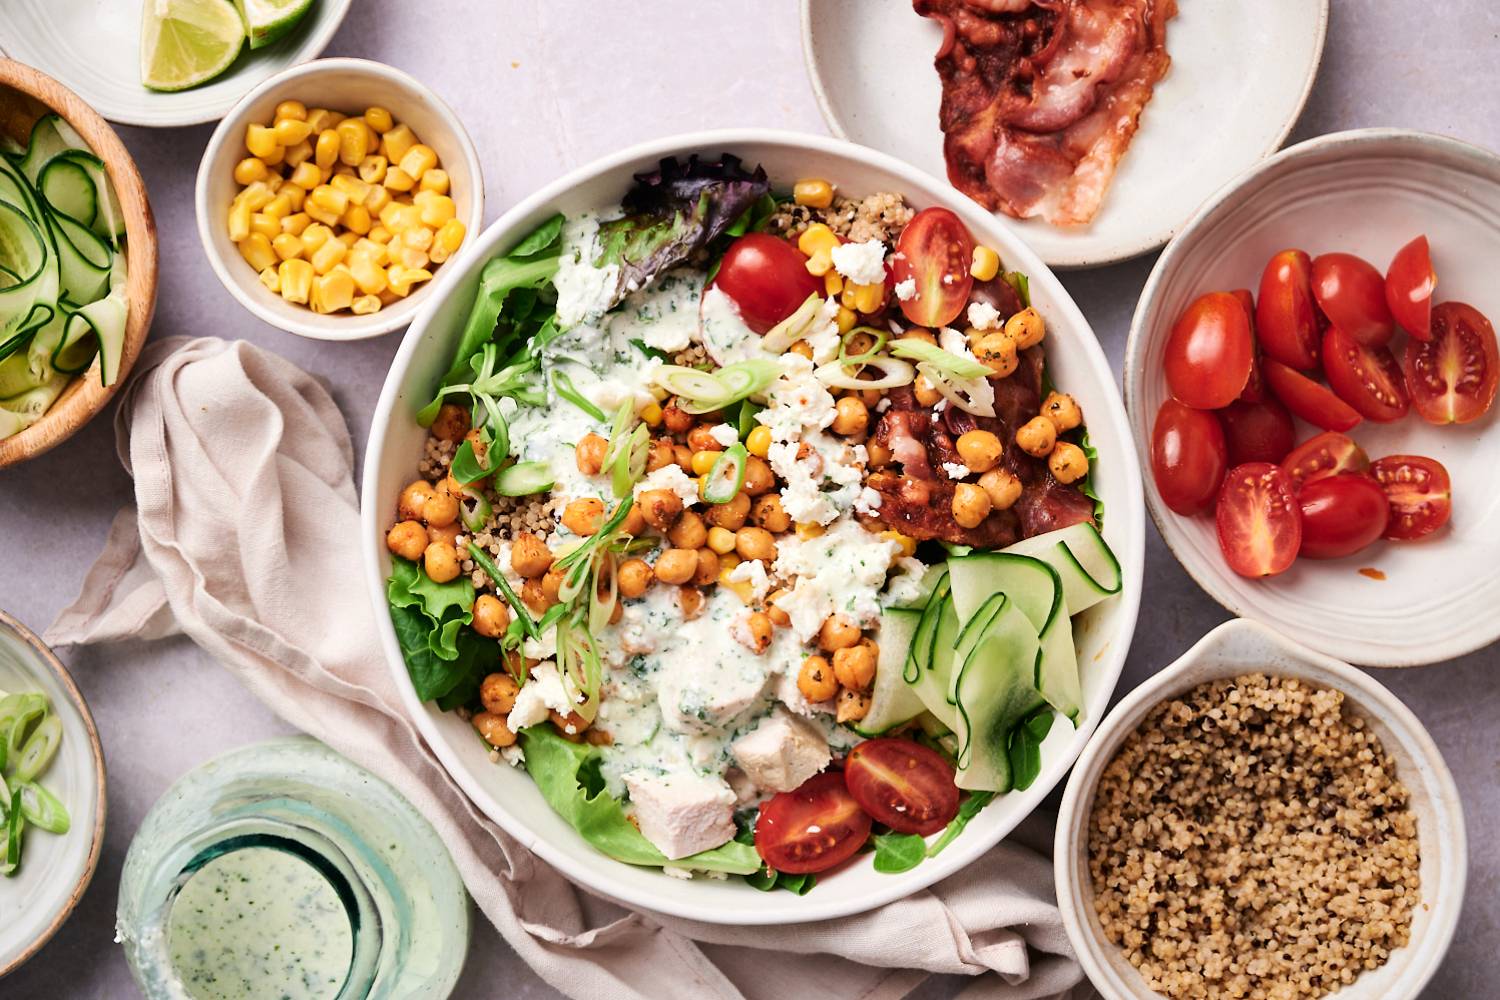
1251,840
880,216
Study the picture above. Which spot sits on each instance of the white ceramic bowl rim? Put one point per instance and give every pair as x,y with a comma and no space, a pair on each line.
1446,899
1130,552
226,134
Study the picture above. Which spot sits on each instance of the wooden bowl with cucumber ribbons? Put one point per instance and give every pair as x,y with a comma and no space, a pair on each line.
77,263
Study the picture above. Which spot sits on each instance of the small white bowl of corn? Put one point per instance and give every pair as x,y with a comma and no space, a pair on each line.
330,197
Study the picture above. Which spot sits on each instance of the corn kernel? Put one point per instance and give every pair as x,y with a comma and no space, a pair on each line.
398,217
739,588
418,160
808,529
986,264
758,442
403,279
271,279
651,414
296,280
274,182
374,251
332,292
367,272
239,220
372,169
354,141
296,223
450,236
265,225
417,237
410,257
435,180
256,249
290,131
278,207
287,246
356,219
261,141
326,149
306,176
351,185
398,180
321,214
364,305
379,234
320,119
379,119
299,154
330,253
721,540
314,236
295,110
703,461
395,142
865,298
256,195
377,199
249,170
328,198
813,192
275,158
727,562
816,237
908,544
437,210
845,319
348,239
833,283
295,195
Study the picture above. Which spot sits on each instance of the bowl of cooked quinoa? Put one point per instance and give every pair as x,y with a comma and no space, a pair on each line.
1261,821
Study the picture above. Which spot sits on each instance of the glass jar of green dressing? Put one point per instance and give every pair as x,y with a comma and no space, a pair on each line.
283,870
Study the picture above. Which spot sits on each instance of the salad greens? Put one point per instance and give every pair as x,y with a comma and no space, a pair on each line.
900,852
30,736
446,661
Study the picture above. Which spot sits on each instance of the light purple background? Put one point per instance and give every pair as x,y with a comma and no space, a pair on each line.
546,86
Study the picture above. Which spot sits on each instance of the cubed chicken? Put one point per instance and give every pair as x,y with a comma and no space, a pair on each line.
781,753
682,814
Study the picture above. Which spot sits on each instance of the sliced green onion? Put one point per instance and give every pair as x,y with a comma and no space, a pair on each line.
894,372
703,392
41,808
794,327
625,456
727,475
474,509
483,561
688,384
602,606
523,479
937,359
15,821
881,337
1021,284
40,748
746,422
17,713
976,396
562,384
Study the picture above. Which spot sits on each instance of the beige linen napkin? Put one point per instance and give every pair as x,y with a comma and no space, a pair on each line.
245,537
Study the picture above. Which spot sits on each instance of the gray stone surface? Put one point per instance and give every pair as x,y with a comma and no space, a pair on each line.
546,86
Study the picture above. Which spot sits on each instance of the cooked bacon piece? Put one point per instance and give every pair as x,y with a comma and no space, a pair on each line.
923,509
1041,99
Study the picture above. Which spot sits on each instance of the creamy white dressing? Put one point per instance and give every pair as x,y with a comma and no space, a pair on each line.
723,333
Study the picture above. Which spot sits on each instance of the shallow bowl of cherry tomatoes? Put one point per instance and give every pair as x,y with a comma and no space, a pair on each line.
1310,376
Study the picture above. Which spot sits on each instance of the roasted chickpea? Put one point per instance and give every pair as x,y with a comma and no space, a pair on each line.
879,455
925,392
440,561
589,454
971,505
493,729
675,418
533,597
701,438
552,582
755,635
803,349
758,477
451,423
708,568
854,666
980,450
498,693
1002,487
440,510
660,455
635,521
997,352
837,632
871,397
445,533
690,602
755,543
850,416
768,513
1062,409
815,680
491,616
570,727
633,577
1068,462
407,539
852,706
409,507
660,508
598,737
583,516
689,532
921,333
1037,436
529,556
682,456
1026,327
779,617
676,566
729,515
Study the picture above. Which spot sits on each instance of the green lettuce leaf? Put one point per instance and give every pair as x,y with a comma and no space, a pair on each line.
445,660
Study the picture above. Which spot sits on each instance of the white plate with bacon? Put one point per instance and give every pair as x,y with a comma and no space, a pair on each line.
1094,127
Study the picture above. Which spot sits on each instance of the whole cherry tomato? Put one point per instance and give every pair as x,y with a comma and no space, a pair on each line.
767,279
1209,352
1307,399
935,251
1367,378
1286,321
1351,294
1420,494
1258,519
1188,457
1453,376
1341,515
1409,284
1257,432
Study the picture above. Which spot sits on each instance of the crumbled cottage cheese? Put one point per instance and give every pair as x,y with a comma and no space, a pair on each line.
862,263
841,570
545,691
906,290
724,434
983,316
753,572
955,470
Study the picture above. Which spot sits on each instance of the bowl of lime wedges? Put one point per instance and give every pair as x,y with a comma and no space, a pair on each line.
161,63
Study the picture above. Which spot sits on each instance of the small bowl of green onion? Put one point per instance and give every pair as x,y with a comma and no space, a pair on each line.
52,794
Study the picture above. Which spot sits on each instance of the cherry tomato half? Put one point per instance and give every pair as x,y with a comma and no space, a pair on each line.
1420,494
1209,352
1351,294
1259,522
1286,321
1367,378
1255,386
935,250
1452,377
1323,455
1188,457
1409,284
1341,515
902,784
1309,400
1257,432
767,279
813,827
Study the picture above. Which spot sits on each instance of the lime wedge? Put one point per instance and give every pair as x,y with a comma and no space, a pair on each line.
266,21
188,42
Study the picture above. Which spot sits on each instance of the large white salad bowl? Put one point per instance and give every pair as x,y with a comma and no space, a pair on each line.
507,794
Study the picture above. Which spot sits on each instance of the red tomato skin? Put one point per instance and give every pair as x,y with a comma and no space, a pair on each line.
935,244
1258,520
1367,378
767,278
1255,386
1323,455
1452,377
1209,353
1257,432
1409,284
1307,399
928,773
1188,457
1351,294
1286,321
1341,515
785,817
1420,494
